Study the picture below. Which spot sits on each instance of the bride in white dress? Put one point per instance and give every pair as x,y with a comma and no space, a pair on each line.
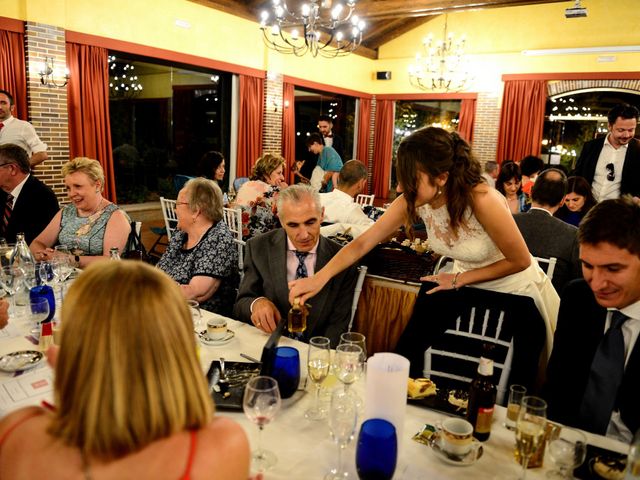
465,218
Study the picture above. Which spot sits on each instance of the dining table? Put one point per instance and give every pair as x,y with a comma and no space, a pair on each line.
304,448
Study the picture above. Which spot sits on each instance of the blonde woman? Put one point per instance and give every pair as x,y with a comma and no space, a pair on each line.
90,225
130,398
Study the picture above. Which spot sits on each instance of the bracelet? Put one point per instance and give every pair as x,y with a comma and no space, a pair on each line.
454,282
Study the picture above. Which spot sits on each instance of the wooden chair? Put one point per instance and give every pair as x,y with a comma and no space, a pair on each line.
551,265
364,200
233,219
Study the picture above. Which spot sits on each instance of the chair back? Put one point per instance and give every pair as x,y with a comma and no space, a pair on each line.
362,272
238,182
551,265
365,200
169,214
233,219
179,181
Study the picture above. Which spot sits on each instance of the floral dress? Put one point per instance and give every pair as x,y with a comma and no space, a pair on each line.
257,200
84,235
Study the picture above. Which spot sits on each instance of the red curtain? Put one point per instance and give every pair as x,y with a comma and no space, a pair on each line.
364,130
521,119
383,144
88,104
289,127
13,77
250,123
467,116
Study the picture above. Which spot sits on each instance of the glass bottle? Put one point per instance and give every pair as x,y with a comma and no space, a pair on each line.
22,258
114,253
297,318
482,398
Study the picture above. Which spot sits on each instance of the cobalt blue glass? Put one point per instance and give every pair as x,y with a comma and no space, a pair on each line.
286,370
44,291
377,450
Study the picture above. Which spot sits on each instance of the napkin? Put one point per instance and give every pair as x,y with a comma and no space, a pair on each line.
386,389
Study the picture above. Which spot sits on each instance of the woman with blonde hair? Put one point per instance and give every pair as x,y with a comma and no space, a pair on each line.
130,398
257,197
90,225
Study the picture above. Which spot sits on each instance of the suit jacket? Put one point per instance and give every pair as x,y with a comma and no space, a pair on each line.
581,323
32,212
265,275
547,236
337,145
586,165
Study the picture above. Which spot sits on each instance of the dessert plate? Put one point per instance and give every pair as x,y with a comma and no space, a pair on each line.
22,360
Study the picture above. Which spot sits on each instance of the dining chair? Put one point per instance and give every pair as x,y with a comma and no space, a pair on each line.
364,200
169,214
233,219
362,273
179,181
551,265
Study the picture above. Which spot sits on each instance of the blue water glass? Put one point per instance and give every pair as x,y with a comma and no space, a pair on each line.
377,450
286,370
44,291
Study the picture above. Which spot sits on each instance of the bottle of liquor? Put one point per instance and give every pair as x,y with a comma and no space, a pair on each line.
482,397
114,254
23,259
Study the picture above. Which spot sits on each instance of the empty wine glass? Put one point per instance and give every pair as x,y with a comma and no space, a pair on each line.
355,338
318,360
567,449
343,415
347,367
196,315
45,273
39,308
10,279
260,403
530,427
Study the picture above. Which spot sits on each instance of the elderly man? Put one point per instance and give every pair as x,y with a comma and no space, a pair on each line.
592,378
19,132
294,251
547,236
28,204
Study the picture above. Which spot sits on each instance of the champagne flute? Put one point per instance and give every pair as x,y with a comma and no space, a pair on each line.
318,360
567,449
348,364
530,428
343,415
355,338
260,403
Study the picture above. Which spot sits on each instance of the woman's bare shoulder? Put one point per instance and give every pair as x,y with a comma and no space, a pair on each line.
485,196
8,421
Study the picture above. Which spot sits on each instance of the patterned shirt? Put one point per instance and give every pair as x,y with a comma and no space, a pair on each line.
84,235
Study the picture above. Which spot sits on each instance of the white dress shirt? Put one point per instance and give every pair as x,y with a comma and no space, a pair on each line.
340,207
292,260
23,134
602,188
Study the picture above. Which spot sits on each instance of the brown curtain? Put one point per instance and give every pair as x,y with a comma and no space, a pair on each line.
521,119
88,104
364,129
13,77
383,144
467,116
250,123
289,127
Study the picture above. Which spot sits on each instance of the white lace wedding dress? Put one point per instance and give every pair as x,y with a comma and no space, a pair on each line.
473,248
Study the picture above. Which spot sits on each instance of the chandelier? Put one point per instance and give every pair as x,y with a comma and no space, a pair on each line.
444,66
324,27
122,81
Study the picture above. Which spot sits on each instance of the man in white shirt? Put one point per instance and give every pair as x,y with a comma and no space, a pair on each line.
612,164
490,173
19,132
594,369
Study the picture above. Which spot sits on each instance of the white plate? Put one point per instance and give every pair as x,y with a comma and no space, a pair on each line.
467,460
204,338
22,360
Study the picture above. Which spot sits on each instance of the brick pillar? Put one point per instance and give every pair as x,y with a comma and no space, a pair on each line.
273,107
47,106
486,125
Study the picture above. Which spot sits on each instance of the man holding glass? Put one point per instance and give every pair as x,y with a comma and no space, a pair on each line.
594,369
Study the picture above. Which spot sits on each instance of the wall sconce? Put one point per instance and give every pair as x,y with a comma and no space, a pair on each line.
46,74
286,104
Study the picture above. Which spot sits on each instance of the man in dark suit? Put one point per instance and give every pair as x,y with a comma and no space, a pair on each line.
547,236
593,377
612,164
28,204
294,251
330,139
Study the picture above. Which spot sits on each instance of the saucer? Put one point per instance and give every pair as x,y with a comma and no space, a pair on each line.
22,360
463,461
204,338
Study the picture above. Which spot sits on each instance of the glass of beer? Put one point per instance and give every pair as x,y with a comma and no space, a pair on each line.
530,428
516,394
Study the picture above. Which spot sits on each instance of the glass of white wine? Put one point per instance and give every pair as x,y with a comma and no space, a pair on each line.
318,361
530,428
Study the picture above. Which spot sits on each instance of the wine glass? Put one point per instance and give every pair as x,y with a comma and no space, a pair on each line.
567,449
45,273
196,314
10,279
530,427
39,308
260,403
318,360
355,338
348,364
343,415
377,450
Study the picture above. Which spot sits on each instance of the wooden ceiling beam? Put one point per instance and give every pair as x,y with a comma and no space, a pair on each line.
386,31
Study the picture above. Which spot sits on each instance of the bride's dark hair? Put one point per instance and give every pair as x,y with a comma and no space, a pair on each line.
435,151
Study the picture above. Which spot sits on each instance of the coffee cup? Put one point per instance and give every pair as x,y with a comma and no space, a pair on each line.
456,436
216,328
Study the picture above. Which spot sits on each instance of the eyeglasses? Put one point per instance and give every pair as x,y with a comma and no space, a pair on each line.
611,173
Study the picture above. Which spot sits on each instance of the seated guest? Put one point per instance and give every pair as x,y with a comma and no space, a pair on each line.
509,184
339,205
592,379
30,203
329,162
547,236
490,173
202,256
578,201
257,197
131,400
90,225
530,166
296,250
212,166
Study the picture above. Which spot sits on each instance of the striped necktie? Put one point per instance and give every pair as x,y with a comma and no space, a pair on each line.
8,208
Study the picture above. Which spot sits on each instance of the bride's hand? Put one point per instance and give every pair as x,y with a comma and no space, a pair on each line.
304,288
445,281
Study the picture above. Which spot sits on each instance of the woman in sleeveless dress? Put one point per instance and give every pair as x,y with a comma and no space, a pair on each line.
466,220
